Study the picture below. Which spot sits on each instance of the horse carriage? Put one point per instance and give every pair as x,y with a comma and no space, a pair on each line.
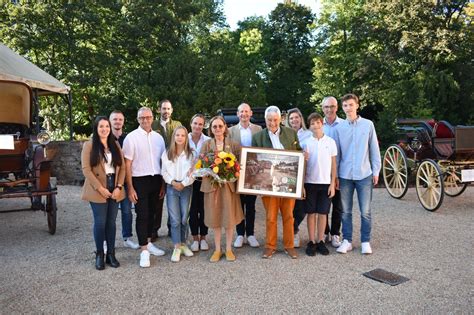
434,156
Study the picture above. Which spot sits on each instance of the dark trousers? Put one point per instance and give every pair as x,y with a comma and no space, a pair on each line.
298,214
148,191
336,215
159,215
247,226
196,212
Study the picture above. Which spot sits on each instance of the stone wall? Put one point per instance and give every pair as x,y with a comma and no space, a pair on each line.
66,166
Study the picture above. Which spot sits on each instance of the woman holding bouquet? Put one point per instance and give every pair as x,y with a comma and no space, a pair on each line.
222,207
177,164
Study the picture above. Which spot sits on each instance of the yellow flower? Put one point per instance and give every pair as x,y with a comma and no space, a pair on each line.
216,169
230,164
198,164
222,154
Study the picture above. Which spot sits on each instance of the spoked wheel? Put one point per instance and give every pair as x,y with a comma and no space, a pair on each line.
395,171
429,185
51,211
452,182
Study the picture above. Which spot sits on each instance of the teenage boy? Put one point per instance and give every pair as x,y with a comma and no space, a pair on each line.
320,182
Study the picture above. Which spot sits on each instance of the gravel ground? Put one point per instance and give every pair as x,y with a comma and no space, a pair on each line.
41,273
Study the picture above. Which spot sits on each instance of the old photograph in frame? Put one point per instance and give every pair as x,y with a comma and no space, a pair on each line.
271,172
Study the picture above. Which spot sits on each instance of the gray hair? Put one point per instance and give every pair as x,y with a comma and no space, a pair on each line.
142,109
327,98
272,109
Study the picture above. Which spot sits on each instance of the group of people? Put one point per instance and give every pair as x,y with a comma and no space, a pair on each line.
157,159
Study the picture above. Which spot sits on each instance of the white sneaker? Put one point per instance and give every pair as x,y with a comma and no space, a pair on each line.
154,250
296,241
365,248
345,247
195,246
204,245
186,251
130,244
335,242
105,247
176,255
253,241
145,259
239,241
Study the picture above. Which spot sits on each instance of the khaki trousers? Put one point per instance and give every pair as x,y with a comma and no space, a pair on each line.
285,206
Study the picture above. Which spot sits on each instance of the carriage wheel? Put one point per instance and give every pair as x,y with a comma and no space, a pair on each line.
452,182
51,211
395,171
429,185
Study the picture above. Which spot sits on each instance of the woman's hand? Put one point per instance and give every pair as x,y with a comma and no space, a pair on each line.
104,192
177,185
116,193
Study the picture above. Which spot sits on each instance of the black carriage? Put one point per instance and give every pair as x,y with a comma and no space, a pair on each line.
435,156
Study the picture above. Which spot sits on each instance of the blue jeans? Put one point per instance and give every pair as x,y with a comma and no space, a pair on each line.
364,195
127,218
178,203
104,223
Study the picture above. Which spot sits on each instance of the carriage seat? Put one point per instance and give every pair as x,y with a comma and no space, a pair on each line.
12,128
443,139
13,161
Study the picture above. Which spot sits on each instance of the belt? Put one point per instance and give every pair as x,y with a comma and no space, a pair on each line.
110,175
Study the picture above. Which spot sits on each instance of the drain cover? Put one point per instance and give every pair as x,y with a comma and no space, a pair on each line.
385,276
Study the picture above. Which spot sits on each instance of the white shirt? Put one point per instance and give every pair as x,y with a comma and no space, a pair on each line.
318,168
245,136
177,170
144,149
109,168
275,139
197,147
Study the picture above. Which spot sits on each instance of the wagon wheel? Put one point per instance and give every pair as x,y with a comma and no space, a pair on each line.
452,182
51,211
429,185
395,171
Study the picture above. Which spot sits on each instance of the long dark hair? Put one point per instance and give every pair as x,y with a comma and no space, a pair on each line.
98,150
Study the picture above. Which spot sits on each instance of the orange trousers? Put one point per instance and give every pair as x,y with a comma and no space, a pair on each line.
285,206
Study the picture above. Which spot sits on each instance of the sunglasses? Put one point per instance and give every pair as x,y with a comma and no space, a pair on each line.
217,126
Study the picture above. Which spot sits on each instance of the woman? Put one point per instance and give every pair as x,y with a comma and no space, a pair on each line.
222,207
196,212
104,171
177,165
295,121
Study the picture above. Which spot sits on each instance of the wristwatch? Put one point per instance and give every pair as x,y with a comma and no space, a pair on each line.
119,186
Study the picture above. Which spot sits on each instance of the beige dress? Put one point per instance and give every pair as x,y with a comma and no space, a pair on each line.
222,206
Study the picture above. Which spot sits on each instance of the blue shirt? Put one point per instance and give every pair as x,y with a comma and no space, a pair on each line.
358,149
329,128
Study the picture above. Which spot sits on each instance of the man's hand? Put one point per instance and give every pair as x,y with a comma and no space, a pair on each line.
375,180
331,190
132,194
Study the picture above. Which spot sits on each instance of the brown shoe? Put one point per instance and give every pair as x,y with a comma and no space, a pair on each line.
268,253
291,252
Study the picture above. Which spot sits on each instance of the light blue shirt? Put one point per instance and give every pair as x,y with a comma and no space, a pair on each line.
303,134
358,149
245,136
329,128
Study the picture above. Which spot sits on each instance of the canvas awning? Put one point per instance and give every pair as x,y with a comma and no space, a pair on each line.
16,68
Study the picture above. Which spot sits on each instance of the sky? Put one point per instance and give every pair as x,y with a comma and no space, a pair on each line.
238,10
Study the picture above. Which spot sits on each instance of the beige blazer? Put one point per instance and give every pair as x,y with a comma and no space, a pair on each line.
95,177
234,132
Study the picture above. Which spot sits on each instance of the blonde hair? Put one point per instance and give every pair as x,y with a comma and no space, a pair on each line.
297,112
173,149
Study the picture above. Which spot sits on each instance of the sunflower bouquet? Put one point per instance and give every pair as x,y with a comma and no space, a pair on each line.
222,166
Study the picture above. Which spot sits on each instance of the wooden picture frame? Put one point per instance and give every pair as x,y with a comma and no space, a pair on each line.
271,172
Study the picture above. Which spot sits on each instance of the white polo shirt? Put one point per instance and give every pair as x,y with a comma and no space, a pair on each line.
318,168
144,149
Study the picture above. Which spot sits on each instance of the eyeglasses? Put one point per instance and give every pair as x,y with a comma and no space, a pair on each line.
329,106
145,118
217,126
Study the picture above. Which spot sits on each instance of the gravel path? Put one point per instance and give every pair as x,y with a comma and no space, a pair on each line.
41,273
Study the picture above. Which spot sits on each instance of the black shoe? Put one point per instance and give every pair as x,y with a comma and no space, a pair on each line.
111,260
99,260
310,249
322,249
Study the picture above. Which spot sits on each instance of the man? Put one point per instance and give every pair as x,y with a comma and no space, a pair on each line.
283,138
165,127
142,150
358,169
331,121
117,120
242,133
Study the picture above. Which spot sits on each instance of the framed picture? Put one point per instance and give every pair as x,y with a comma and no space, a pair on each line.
271,172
